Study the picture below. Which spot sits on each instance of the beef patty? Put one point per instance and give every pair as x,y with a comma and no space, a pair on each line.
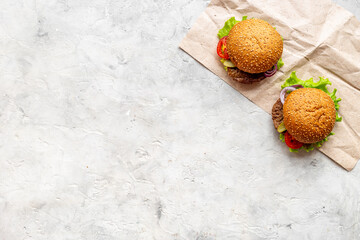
244,77
277,113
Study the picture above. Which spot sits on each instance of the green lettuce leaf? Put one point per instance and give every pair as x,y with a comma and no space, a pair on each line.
308,148
294,150
228,26
282,137
321,84
280,63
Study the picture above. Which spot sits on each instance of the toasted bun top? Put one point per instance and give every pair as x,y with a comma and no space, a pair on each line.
309,114
254,46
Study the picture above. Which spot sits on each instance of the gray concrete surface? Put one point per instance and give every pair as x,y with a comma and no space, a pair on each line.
109,131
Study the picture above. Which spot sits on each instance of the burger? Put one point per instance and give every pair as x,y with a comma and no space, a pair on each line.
305,113
250,50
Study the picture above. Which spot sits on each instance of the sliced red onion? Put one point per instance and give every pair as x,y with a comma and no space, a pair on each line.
271,72
283,92
286,89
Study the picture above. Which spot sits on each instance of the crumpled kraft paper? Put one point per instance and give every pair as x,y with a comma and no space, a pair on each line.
320,39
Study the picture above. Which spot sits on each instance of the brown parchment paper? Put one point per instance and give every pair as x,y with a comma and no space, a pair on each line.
320,39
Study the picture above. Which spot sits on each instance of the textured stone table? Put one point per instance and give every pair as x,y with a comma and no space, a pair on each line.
109,131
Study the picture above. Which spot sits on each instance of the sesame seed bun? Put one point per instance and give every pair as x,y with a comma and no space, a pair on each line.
254,46
309,114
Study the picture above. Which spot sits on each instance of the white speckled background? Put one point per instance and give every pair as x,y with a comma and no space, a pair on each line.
109,131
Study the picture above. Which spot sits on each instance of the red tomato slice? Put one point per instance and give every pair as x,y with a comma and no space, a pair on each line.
221,48
291,142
